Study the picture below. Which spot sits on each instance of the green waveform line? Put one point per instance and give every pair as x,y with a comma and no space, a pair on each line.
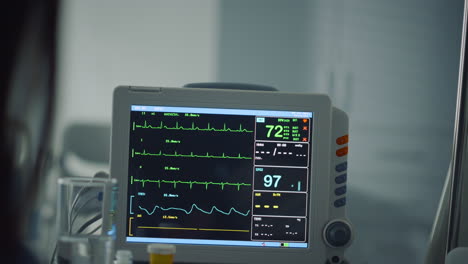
194,206
193,128
191,155
190,183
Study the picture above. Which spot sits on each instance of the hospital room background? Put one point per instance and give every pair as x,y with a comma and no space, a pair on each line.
391,65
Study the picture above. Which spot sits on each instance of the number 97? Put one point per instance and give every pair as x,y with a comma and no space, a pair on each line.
269,180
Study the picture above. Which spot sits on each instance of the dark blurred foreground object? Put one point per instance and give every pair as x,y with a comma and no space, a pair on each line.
27,76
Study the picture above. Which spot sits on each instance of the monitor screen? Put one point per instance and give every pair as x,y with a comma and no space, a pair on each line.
211,176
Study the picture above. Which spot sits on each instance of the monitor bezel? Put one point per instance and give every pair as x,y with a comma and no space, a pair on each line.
319,204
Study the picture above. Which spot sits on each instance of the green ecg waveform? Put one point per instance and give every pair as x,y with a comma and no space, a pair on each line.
190,183
191,155
192,128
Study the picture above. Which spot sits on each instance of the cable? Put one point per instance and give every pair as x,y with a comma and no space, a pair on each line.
78,211
80,230
53,254
100,174
89,223
96,229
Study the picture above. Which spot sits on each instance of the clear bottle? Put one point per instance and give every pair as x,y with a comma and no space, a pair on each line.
123,257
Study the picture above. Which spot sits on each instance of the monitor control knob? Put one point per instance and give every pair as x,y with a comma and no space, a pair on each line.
337,234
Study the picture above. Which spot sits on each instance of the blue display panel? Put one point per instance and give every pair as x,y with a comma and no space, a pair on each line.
211,176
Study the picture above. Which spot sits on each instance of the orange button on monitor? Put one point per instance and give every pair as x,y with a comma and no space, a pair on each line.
342,152
342,140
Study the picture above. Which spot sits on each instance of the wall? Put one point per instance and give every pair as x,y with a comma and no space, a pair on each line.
393,67
110,43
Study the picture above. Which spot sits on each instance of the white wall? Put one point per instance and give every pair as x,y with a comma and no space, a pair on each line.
150,42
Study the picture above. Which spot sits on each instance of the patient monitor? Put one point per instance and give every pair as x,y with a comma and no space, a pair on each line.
231,176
